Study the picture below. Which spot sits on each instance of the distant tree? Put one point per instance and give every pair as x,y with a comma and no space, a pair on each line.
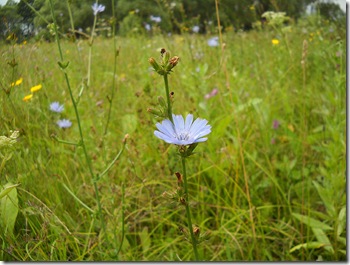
27,14
9,20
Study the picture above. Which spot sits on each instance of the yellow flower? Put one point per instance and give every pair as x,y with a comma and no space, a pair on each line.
24,42
18,82
27,97
36,88
252,7
275,41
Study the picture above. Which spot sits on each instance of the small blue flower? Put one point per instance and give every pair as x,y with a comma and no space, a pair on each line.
156,19
97,8
213,42
147,26
64,123
195,29
56,107
183,132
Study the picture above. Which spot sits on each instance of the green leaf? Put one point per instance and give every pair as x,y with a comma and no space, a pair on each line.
311,222
6,190
145,240
309,245
9,209
341,221
326,198
129,123
322,238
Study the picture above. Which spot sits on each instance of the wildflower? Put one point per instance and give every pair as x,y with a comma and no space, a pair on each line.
213,42
97,8
275,124
156,19
56,107
64,123
18,82
195,29
36,88
212,93
27,97
183,132
147,26
9,141
275,41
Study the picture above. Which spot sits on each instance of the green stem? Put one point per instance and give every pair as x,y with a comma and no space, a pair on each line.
90,49
87,158
114,69
188,213
168,98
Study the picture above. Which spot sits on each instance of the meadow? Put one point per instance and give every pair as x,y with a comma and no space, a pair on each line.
269,184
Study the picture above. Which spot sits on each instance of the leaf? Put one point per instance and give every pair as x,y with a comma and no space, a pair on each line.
309,245
322,238
311,222
6,190
145,239
129,123
326,198
9,209
341,221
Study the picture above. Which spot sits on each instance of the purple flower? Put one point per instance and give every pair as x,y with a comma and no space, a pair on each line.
275,124
56,107
97,8
183,132
213,42
64,123
212,93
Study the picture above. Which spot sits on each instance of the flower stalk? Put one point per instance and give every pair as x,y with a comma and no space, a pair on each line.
188,212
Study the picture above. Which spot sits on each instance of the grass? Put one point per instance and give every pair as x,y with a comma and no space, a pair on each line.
264,193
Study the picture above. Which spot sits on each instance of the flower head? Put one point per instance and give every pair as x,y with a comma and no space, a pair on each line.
56,107
183,132
275,124
97,8
275,41
212,93
64,123
28,97
36,88
213,42
18,82
156,19
195,29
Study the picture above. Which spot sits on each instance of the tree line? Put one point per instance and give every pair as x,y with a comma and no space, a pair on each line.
30,18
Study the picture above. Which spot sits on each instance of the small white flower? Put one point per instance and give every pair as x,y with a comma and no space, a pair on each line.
183,132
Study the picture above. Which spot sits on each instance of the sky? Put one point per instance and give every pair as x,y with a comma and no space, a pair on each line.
342,3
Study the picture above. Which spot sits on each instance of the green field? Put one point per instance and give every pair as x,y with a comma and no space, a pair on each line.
269,184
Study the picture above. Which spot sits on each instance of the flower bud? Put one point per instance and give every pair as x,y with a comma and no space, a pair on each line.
172,63
161,102
154,64
155,112
166,57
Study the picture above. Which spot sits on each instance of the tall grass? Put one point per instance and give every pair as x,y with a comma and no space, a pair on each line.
266,193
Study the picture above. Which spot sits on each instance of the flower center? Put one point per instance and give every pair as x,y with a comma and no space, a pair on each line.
183,136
